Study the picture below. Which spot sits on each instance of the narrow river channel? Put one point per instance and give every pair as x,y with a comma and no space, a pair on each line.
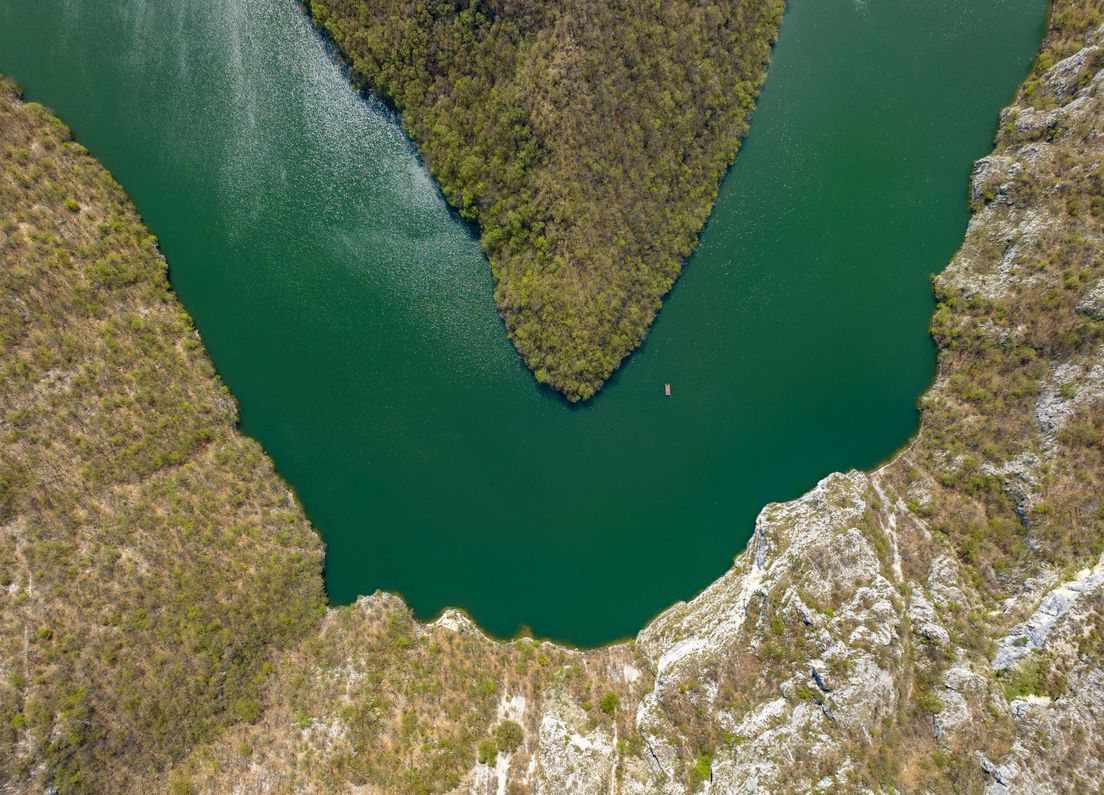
350,312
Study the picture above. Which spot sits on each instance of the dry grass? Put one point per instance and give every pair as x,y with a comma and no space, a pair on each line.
162,623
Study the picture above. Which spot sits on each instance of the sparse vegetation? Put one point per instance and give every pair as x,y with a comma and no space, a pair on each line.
702,770
1038,675
985,419
162,625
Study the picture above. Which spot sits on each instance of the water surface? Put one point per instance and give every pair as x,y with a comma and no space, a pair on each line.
350,312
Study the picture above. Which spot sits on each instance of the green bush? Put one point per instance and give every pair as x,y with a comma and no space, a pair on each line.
487,752
508,736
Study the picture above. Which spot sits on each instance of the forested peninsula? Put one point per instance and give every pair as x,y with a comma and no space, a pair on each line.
586,139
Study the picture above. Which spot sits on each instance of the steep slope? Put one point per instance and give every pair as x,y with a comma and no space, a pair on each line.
935,625
150,557
586,139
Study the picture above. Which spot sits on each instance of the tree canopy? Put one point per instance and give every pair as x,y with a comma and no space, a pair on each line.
586,139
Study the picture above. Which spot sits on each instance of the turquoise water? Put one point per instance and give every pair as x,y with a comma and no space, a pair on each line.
350,312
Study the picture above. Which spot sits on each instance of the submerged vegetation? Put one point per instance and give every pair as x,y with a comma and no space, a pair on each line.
586,139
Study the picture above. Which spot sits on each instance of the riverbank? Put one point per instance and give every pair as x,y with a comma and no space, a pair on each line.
933,625
350,313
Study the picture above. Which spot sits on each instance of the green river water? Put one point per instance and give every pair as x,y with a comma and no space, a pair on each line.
350,312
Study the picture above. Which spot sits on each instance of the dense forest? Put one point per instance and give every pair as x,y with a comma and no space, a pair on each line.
587,140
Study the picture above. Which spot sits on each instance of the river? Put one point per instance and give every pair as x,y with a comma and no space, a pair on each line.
350,313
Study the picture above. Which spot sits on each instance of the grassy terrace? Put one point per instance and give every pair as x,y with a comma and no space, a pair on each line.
586,140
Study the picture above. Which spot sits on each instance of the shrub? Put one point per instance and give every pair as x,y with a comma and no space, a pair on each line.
508,736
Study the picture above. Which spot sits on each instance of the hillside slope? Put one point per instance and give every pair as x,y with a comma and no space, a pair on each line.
586,139
150,557
936,625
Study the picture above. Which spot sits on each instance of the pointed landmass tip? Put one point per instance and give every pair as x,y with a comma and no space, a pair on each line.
586,140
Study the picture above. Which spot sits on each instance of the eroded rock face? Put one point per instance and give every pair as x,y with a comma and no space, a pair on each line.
934,625
1054,610
573,756
815,575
